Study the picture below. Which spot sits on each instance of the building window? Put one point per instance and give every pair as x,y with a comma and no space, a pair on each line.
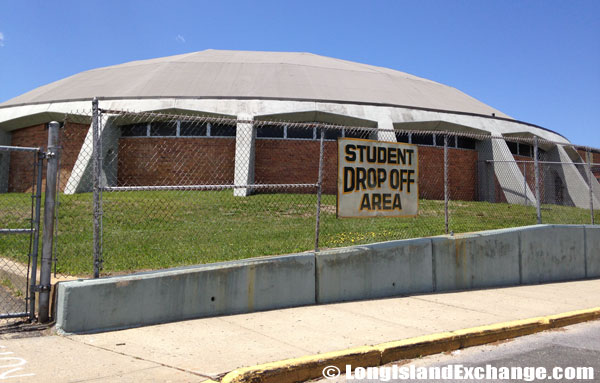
222,130
163,129
270,131
193,129
300,132
519,149
424,139
135,130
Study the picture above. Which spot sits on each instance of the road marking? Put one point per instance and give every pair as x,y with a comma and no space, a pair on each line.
13,367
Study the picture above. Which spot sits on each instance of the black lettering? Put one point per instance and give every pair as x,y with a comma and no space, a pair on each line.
381,155
381,176
394,179
392,155
371,178
376,201
361,151
410,180
348,179
396,204
410,153
361,177
350,153
402,156
387,201
371,154
364,203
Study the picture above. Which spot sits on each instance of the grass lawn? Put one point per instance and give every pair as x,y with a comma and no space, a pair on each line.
153,230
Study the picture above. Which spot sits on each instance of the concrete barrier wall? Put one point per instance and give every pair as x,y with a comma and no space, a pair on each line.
592,246
374,271
477,260
533,254
194,292
552,253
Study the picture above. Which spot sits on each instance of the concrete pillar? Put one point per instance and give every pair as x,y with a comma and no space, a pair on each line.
4,162
80,180
509,175
383,131
245,139
574,180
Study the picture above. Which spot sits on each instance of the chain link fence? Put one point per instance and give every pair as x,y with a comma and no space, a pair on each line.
20,197
148,190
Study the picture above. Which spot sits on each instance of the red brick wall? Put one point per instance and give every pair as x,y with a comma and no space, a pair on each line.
286,161
21,164
175,161
462,173
289,161
21,170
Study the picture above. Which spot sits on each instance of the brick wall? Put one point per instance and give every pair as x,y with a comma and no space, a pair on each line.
20,175
286,161
21,168
175,161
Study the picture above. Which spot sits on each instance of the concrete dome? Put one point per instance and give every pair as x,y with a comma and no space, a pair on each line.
220,74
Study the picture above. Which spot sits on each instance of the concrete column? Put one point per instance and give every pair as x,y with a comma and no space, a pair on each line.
383,133
574,178
80,180
245,138
509,175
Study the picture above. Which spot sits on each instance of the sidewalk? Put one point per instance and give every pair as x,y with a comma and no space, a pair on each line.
195,350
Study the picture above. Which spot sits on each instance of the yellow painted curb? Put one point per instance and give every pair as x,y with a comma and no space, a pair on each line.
311,367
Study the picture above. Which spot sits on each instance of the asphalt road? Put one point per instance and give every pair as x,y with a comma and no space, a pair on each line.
573,346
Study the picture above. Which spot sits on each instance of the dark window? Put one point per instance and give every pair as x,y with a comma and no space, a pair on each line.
299,132
525,150
465,143
270,131
134,130
402,137
330,133
357,133
162,129
513,146
222,130
191,128
422,139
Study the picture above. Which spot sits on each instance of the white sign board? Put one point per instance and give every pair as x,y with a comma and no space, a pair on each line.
377,178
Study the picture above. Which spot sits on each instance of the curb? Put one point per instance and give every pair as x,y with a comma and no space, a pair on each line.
311,367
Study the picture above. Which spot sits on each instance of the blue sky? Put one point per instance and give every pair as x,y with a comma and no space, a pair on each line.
537,61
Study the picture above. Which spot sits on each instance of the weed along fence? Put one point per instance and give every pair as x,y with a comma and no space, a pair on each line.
142,191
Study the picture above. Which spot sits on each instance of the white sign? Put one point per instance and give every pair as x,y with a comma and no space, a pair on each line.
377,179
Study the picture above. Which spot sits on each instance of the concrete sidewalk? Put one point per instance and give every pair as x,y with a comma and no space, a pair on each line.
195,350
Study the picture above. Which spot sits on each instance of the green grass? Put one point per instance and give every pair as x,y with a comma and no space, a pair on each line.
153,230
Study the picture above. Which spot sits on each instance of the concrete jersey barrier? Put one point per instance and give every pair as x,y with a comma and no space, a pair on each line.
525,255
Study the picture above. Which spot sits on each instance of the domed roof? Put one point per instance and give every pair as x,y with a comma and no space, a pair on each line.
256,75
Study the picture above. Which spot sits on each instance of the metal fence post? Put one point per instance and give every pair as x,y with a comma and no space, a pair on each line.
319,190
537,180
48,235
526,200
36,233
96,185
446,218
590,175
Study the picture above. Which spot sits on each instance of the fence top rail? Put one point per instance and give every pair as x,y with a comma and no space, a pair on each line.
205,187
543,162
4,148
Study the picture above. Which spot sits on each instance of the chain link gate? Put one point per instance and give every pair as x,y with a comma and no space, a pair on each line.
20,205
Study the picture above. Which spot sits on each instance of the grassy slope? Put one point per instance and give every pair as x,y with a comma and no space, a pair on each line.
152,230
